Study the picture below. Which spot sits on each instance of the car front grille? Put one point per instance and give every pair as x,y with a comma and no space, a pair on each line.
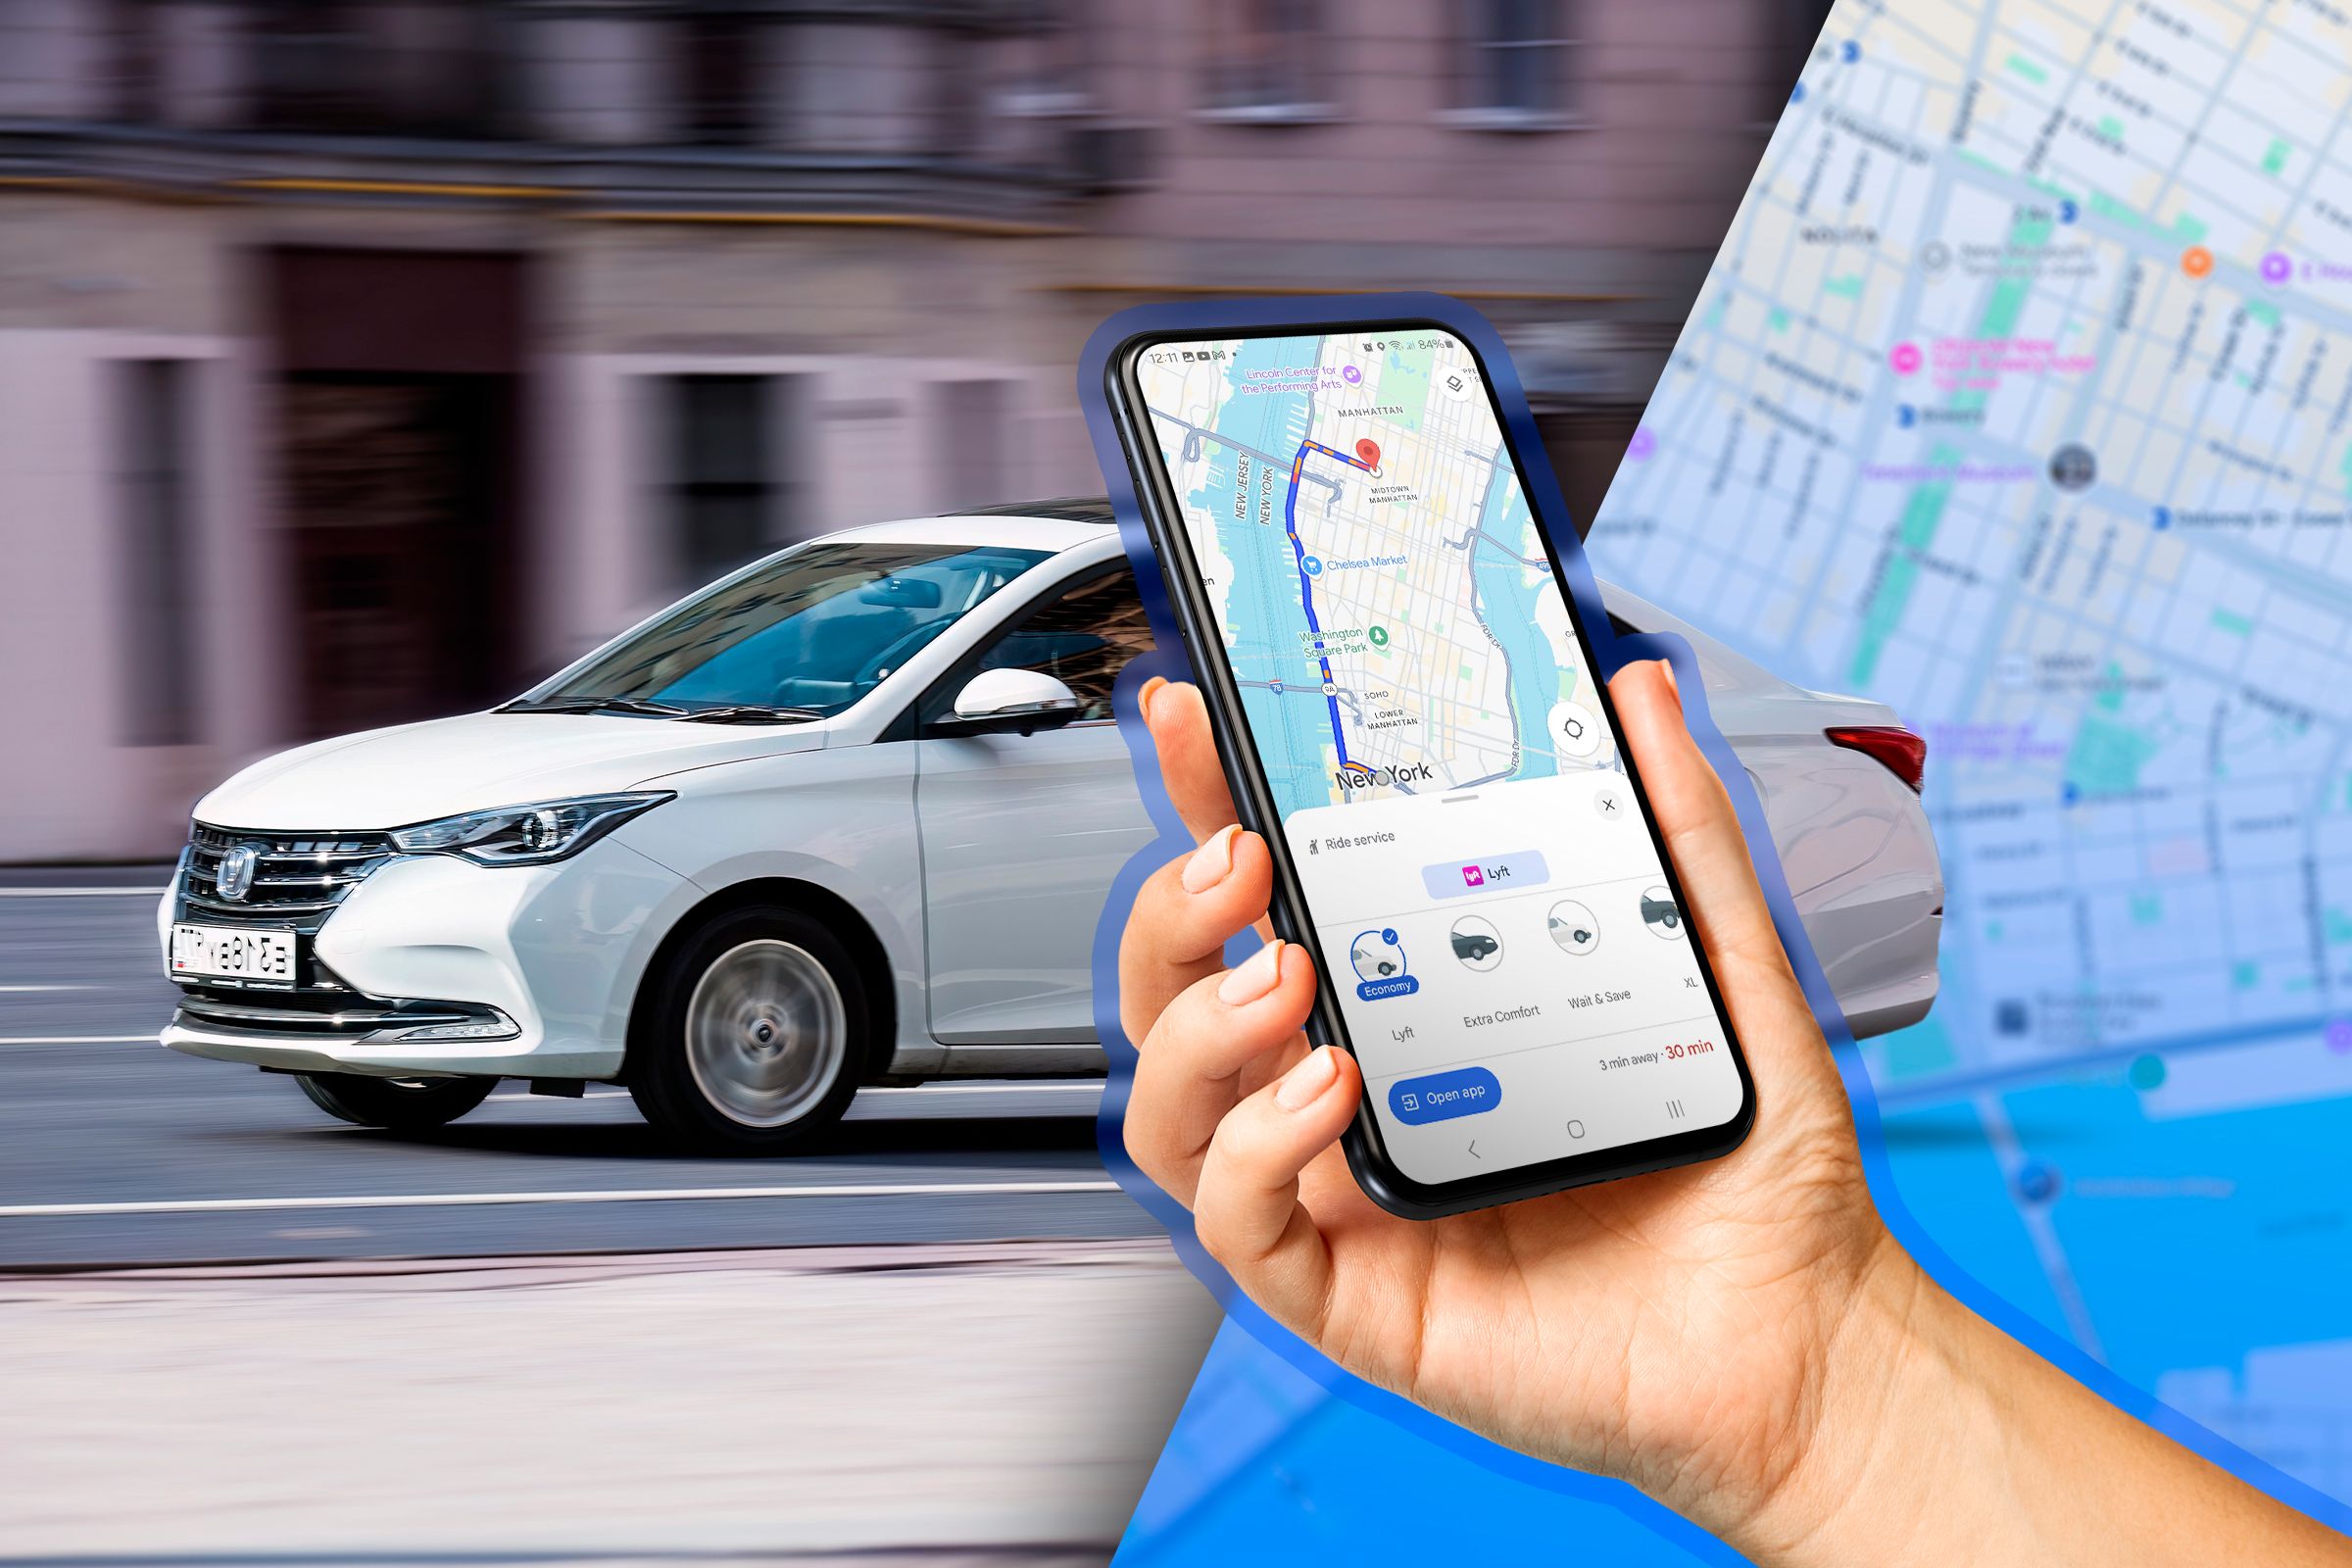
298,878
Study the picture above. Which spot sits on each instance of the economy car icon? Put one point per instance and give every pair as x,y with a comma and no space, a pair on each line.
846,816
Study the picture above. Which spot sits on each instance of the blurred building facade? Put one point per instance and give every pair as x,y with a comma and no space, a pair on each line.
362,360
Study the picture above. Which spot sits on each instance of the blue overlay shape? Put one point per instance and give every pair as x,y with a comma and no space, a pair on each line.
1533,1501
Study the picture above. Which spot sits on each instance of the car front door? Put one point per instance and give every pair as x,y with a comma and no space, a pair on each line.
1023,834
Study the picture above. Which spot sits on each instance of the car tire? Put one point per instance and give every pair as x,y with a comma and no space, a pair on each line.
395,1104
751,1036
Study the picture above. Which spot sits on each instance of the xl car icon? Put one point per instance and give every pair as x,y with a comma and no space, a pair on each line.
848,816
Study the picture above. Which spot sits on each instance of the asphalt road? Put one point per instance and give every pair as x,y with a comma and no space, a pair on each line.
114,1150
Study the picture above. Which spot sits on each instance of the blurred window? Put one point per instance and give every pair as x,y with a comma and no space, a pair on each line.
818,627
955,90
1586,444
723,64
1796,27
430,68
1516,69
1267,60
135,58
1082,638
975,467
1054,68
727,471
160,695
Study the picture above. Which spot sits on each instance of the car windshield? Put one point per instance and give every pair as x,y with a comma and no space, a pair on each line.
815,629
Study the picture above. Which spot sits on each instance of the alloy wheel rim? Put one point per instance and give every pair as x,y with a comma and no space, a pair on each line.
765,1032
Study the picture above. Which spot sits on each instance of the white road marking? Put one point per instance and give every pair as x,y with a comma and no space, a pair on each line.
624,1195
20,989
82,893
77,1039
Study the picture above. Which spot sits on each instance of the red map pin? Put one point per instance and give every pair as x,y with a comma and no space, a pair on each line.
1369,451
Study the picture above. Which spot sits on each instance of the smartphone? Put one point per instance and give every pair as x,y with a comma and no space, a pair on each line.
1404,700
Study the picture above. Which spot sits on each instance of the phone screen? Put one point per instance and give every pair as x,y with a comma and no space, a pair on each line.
1492,915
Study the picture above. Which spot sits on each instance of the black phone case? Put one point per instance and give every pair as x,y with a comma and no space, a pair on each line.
1366,1148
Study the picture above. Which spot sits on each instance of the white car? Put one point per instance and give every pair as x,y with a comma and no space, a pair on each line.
845,816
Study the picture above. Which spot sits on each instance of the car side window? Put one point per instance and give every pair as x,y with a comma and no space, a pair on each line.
1082,637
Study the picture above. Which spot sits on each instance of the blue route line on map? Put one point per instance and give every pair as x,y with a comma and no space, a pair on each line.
1306,591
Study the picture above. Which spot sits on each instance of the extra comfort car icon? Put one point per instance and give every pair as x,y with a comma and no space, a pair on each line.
1474,945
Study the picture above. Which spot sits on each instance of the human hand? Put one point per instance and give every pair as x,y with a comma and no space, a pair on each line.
1673,1329
1743,1339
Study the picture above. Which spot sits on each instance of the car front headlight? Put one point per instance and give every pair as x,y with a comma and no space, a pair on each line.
527,835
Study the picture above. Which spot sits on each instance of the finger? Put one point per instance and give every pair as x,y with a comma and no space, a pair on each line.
1188,754
1247,1210
1195,1066
1183,914
1710,853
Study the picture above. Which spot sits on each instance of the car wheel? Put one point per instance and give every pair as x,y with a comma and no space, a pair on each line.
400,1105
755,1036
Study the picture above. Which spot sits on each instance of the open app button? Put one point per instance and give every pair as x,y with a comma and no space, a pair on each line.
1444,1095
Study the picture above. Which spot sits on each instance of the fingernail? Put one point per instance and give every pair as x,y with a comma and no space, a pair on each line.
1143,699
1256,977
1304,1084
1211,861
1666,668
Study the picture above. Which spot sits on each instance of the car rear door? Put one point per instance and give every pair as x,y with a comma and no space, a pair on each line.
1023,834
1853,840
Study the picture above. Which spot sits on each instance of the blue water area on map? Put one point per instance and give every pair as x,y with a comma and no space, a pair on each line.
2187,1239
2250,1248
1265,614
1506,600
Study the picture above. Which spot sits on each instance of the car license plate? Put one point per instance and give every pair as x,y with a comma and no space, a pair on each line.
229,953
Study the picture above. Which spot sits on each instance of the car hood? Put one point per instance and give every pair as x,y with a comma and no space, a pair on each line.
390,777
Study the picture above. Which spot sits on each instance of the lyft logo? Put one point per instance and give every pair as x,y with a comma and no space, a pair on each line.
1458,879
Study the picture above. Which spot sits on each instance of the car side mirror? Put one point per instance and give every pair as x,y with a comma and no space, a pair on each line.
1010,702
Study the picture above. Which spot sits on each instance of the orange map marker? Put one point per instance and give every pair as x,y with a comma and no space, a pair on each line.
2197,260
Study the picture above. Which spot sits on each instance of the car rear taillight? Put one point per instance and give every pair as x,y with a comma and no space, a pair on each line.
1890,746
